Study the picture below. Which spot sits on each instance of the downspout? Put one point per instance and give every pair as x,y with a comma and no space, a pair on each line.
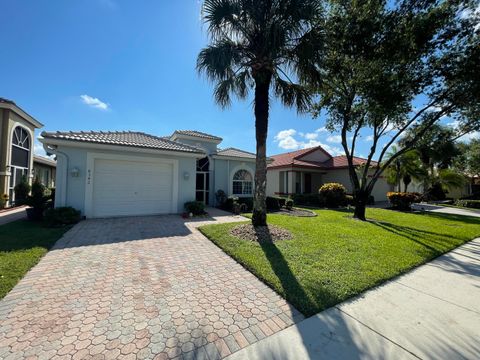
228,178
62,200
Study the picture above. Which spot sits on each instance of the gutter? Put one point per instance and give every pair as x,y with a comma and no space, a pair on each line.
62,200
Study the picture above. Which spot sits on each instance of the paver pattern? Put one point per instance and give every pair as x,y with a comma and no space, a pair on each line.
138,288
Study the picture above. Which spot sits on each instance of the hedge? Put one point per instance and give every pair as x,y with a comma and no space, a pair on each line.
474,204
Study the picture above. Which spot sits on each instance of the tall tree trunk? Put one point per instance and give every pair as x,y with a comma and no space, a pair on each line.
361,199
262,86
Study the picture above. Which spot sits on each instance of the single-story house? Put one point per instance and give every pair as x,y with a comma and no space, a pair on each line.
304,171
17,129
44,170
106,174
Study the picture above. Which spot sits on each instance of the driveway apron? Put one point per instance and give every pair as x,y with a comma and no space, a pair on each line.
140,287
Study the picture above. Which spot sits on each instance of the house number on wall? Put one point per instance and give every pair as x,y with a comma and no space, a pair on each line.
89,176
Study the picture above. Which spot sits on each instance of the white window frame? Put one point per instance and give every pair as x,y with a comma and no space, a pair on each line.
243,182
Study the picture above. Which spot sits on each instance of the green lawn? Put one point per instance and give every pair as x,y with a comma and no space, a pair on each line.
22,244
333,257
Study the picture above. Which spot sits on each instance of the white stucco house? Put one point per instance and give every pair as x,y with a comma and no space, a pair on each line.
106,174
304,171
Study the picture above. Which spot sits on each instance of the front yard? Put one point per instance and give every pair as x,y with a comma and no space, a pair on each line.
22,244
333,257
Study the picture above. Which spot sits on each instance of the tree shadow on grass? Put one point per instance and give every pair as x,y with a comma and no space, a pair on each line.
293,290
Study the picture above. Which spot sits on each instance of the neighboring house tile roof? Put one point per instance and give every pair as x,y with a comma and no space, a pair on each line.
6,101
233,152
123,138
198,134
294,158
43,160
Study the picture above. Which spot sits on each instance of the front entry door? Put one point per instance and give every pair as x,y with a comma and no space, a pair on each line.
202,186
308,184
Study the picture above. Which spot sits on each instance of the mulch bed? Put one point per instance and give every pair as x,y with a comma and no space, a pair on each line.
270,233
295,212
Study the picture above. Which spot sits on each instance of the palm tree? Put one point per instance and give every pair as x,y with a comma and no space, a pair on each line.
258,45
405,168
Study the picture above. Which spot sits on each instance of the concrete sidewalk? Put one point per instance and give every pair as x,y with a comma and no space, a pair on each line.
14,214
433,312
446,209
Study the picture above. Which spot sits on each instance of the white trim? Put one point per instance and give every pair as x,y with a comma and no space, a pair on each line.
196,138
16,124
242,166
22,114
99,146
90,170
237,158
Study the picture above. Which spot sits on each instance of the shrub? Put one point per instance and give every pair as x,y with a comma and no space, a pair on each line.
195,207
221,198
21,190
247,201
402,200
349,199
228,205
275,202
309,199
289,204
62,216
474,204
435,193
335,194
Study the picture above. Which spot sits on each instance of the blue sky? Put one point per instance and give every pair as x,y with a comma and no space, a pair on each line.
117,65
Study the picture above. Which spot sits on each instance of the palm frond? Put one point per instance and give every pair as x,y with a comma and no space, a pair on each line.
218,60
222,16
292,94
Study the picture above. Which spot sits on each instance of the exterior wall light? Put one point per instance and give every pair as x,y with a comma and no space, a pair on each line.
186,175
75,172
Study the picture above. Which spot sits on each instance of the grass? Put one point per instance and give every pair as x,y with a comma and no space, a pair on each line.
22,244
333,257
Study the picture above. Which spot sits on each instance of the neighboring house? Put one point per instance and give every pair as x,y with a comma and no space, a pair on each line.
17,130
44,170
304,171
107,174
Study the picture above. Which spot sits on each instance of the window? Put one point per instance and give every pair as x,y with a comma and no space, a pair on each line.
242,183
20,147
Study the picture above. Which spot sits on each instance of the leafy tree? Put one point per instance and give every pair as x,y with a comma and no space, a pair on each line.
257,45
468,161
375,59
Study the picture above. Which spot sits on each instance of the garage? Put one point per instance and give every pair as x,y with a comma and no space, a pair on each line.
122,188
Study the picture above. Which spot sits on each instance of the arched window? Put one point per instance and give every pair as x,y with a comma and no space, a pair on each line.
20,147
242,183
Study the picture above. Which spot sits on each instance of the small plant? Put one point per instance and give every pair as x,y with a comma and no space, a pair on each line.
275,203
335,194
402,200
195,207
221,198
3,200
289,204
21,190
62,216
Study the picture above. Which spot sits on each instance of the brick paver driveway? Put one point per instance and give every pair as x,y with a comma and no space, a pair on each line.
145,287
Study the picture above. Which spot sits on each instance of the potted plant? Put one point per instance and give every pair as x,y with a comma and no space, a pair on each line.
3,201
37,200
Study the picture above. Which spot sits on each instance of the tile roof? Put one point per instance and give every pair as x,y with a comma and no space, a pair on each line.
6,101
294,158
44,160
195,133
233,152
123,138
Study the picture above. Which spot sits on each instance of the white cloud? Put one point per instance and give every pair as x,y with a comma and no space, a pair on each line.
470,136
335,139
310,136
94,102
369,138
475,14
286,140
321,130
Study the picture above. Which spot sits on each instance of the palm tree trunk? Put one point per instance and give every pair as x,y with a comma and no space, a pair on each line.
262,86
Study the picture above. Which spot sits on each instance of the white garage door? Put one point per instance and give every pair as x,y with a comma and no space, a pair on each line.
123,188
